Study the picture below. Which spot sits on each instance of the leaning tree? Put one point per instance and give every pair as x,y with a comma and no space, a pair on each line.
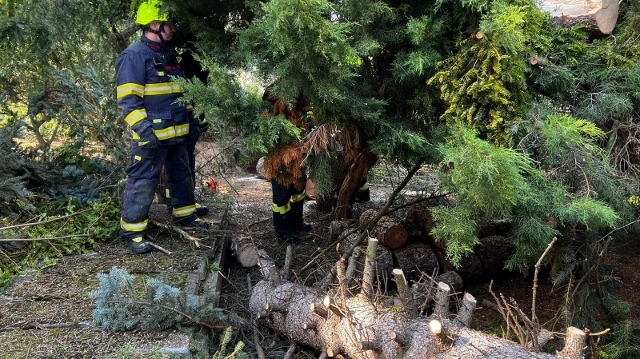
523,119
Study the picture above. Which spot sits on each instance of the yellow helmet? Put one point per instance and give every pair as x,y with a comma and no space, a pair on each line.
149,11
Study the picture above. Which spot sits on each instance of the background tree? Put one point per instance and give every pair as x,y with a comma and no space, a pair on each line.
62,149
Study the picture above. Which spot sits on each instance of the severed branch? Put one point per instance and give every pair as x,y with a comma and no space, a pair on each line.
534,317
286,267
41,239
404,292
183,234
506,314
369,268
161,249
43,222
341,273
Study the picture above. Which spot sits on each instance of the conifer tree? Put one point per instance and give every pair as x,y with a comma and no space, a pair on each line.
451,81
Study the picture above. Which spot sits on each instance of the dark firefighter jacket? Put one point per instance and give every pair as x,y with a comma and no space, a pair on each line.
146,92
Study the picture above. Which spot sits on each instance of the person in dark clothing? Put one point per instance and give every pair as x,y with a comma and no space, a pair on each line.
284,168
192,69
146,93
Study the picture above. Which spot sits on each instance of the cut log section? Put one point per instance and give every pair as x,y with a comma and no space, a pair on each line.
415,259
599,15
245,251
389,230
421,217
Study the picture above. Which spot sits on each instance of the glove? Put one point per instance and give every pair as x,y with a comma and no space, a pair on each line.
148,139
204,125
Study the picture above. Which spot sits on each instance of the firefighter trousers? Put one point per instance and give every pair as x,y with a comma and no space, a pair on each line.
288,206
191,154
143,174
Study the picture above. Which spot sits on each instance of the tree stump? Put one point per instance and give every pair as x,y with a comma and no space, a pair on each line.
574,344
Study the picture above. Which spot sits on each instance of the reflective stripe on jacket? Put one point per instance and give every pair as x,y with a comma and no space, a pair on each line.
146,92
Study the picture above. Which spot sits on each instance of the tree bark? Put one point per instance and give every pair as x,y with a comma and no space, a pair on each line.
339,324
349,187
357,328
599,15
389,230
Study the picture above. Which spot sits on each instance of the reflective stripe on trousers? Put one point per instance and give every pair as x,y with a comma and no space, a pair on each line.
143,174
288,205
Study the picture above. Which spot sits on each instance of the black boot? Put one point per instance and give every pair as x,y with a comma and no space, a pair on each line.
139,245
192,221
201,210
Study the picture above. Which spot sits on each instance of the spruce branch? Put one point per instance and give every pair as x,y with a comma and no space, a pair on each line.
171,309
601,256
42,222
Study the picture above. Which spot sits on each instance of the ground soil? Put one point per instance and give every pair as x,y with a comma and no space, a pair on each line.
48,314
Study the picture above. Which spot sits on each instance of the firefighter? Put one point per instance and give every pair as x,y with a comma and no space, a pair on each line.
284,168
146,94
192,68
288,206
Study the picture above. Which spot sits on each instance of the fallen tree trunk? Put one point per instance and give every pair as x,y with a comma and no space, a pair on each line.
359,327
598,15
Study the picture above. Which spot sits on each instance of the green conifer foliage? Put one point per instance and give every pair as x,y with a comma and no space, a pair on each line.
57,76
551,147
489,182
17,171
